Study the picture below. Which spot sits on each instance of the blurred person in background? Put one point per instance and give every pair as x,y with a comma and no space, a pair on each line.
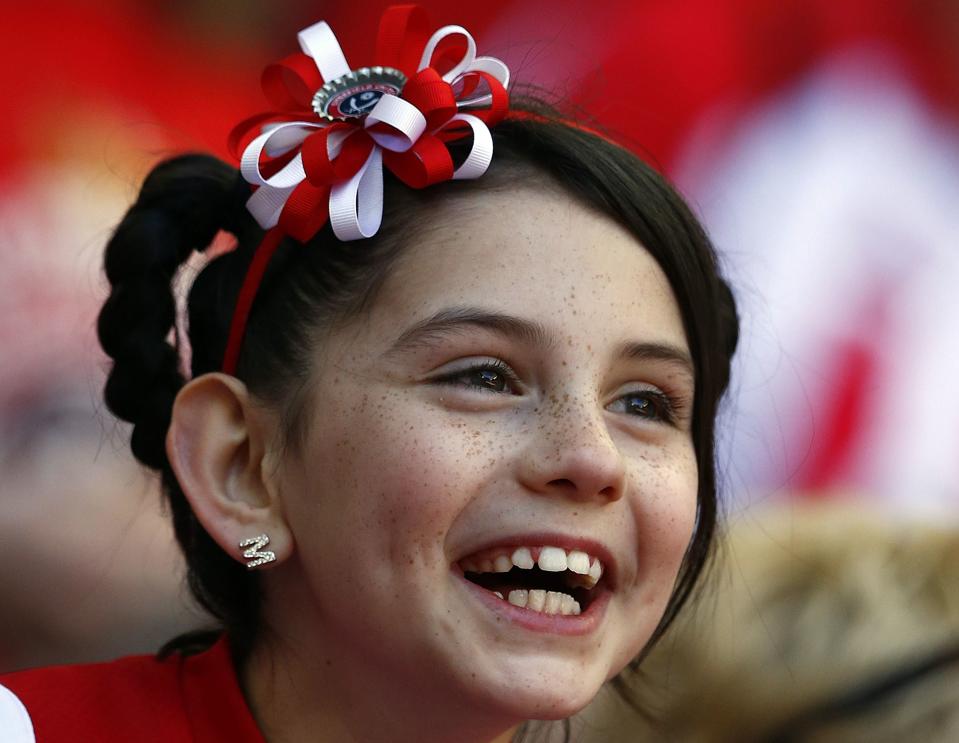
91,570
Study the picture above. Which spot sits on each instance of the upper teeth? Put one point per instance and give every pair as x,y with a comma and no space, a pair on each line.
550,559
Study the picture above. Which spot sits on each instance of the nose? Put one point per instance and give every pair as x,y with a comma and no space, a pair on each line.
571,453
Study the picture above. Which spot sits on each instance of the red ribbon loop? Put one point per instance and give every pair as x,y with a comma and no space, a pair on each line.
290,83
425,163
432,95
453,130
306,211
249,129
498,107
402,34
320,168
448,54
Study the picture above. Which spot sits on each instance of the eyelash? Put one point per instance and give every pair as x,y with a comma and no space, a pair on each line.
665,407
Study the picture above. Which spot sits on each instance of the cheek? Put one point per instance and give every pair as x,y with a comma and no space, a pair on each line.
665,514
391,475
662,512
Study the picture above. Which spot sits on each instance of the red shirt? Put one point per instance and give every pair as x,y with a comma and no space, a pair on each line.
192,699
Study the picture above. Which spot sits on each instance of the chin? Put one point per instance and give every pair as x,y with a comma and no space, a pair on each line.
545,694
554,704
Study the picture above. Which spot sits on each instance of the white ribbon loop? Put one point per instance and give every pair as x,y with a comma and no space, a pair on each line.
283,138
291,173
481,153
319,41
463,65
491,66
356,207
405,119
266,204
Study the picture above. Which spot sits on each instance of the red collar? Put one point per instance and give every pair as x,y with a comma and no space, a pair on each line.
214,703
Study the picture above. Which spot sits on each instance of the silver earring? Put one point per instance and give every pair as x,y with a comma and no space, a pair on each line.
254,555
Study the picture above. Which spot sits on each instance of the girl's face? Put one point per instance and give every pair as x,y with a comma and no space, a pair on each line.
520,390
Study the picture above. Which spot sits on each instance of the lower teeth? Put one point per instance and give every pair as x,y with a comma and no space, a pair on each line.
545,602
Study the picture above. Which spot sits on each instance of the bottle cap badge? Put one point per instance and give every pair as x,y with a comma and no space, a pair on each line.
355,94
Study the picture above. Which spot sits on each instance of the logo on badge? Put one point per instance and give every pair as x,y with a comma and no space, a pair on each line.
354,95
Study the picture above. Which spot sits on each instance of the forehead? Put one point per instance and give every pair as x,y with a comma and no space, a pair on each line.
536,253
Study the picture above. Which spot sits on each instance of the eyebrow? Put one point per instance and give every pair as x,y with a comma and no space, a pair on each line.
659,352
456,319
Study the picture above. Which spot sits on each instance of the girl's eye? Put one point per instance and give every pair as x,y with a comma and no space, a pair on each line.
652,405
489,376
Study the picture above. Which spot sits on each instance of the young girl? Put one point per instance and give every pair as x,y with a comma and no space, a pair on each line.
437,478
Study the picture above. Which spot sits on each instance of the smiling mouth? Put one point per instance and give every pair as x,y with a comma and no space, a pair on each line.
549,580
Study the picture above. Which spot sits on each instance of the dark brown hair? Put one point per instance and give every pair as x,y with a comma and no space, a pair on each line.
187,200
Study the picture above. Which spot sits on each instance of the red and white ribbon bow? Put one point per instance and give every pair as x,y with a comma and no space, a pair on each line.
307,169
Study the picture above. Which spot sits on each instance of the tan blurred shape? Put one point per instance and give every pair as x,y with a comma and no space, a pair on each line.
826,622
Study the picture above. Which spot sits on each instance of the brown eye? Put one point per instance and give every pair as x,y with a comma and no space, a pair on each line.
651,405
487,377
491,379
640,406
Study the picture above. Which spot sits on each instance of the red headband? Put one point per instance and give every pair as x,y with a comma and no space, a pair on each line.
319,156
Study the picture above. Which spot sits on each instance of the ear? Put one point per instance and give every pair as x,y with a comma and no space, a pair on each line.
219,445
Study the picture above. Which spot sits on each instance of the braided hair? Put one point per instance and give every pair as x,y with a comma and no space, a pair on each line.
182,205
